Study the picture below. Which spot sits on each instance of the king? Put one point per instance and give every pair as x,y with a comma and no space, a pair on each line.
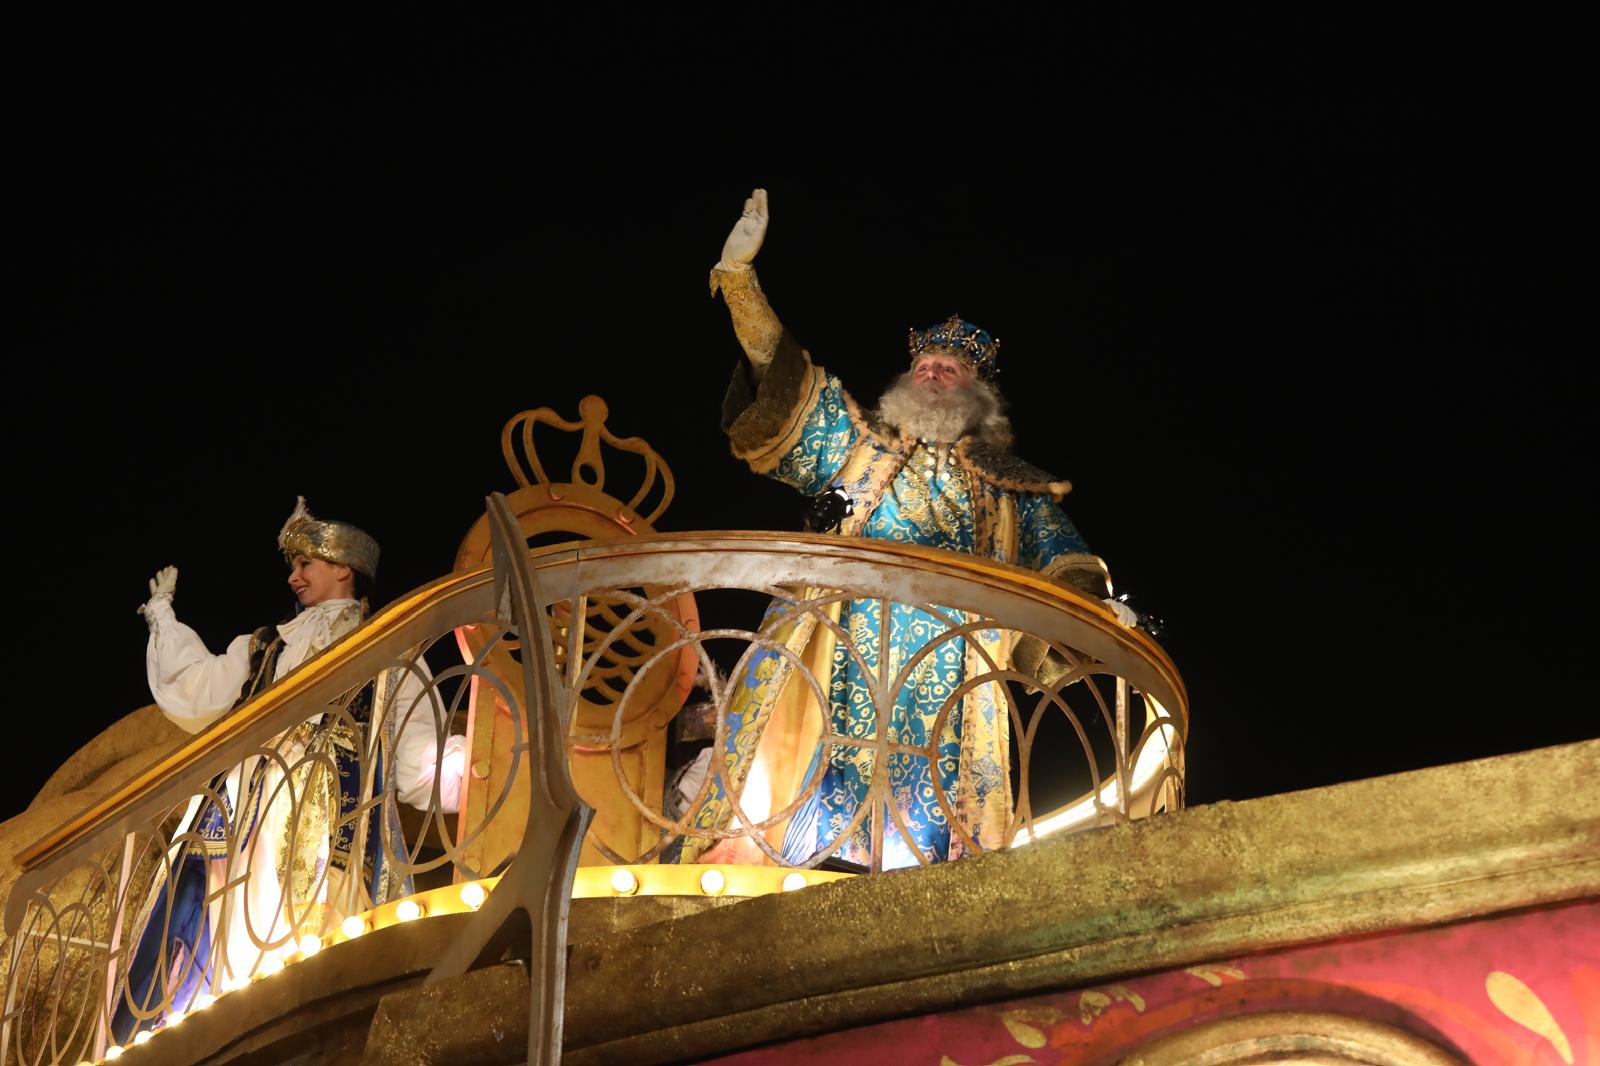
930,465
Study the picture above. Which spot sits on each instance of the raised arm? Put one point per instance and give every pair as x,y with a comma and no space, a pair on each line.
192,687
754,322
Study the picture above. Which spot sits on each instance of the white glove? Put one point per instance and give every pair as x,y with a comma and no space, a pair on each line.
740,249
162,586
1125,614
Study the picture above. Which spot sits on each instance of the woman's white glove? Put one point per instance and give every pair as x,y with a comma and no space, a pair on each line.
740,249
162,587
1125,614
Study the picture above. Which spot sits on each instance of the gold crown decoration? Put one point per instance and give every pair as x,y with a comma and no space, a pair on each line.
333,542
977,346
588,467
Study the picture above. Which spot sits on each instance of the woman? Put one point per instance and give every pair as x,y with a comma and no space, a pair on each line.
264,855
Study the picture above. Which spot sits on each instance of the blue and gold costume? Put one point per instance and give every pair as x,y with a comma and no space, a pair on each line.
801,427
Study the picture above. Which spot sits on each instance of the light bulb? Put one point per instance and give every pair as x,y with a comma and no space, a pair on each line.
712,882
623,883
473,895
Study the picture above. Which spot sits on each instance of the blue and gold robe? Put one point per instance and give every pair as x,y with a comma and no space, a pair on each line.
803,429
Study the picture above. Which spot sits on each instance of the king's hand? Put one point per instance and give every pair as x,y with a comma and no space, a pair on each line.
740,249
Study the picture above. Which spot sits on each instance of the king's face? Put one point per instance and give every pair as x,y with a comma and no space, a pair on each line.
941,372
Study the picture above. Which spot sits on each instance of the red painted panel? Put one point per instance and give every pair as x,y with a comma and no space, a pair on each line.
1514,990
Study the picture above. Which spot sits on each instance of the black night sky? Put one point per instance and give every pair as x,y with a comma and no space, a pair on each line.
1277,296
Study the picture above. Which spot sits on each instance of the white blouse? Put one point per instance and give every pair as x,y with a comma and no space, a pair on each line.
194,688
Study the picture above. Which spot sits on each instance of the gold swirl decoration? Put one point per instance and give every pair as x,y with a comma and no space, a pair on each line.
603,637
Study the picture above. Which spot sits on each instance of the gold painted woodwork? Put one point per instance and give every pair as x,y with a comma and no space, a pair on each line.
1205,884
608,758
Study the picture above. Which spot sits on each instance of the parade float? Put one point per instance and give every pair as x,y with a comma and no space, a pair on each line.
1446,915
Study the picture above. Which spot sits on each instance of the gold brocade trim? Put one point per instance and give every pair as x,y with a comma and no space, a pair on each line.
794,633
868,470
994,522
984,804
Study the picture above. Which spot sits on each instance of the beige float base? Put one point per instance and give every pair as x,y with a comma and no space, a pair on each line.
656,979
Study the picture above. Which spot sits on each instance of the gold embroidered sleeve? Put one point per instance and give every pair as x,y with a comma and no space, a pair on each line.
754,322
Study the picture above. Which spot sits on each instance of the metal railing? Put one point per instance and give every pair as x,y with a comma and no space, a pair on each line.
866,684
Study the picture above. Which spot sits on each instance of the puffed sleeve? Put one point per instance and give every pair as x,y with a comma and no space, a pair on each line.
192,687
418,757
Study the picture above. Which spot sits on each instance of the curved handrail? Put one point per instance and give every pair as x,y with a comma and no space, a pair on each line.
979,602
450,601
1018,597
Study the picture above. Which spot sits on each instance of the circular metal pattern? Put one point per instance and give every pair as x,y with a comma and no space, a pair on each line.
1095,712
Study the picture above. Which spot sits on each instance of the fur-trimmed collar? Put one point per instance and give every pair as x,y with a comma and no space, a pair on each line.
994,465
1000,467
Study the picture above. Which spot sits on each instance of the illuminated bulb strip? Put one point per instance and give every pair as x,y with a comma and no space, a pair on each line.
603,882
1152,760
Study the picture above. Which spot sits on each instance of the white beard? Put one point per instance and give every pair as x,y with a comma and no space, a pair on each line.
945,415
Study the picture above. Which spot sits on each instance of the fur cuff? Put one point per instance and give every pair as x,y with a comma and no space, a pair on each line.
765,421
1083,571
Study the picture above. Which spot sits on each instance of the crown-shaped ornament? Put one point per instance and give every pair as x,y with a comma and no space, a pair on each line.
977,347
588,466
